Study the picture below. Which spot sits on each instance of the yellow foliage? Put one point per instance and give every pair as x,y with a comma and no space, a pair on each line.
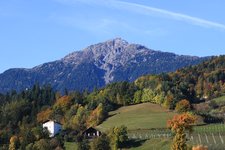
13,139
63,102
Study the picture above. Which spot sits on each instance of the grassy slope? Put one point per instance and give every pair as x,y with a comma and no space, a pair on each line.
154,144
146,116
70,146
219,99
141,116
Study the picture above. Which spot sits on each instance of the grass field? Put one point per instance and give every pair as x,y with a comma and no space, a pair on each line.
70,145
219,100
141,116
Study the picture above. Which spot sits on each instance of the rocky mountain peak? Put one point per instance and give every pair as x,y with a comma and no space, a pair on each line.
111,46
103,48
95,66
117,42
106,51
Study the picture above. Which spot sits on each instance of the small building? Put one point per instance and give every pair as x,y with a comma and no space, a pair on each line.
53,127
91,133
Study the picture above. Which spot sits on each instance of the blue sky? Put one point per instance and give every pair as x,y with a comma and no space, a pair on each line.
36,31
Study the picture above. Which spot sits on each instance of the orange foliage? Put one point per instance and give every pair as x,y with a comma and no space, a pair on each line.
95,117
92,119
44,115
200,147
184,120
179,124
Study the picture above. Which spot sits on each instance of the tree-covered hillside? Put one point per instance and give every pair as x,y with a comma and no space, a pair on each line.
195,83
21,114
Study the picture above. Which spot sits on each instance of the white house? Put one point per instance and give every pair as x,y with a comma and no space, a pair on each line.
53,127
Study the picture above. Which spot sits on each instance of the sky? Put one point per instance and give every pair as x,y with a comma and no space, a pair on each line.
33,32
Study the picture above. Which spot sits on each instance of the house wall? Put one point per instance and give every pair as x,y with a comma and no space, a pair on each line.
52,127
57,128
91,133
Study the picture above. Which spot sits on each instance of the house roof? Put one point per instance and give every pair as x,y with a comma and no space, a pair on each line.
53,121
91,128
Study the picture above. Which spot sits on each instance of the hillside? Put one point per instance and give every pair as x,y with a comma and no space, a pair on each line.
96,66
202,85
140,116
22,113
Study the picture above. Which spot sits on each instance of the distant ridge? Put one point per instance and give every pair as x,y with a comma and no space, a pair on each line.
96,66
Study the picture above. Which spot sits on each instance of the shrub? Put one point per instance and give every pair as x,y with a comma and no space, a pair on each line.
183,106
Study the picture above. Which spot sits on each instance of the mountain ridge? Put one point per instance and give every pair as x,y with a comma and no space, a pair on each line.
95,66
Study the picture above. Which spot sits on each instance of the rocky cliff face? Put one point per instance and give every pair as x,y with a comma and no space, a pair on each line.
96,66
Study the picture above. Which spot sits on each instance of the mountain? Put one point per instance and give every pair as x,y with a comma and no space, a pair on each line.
96,66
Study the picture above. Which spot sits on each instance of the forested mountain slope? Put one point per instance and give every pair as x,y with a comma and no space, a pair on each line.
96,66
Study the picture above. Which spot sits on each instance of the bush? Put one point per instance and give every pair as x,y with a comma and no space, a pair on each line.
118,137
83,145
100,143
183,106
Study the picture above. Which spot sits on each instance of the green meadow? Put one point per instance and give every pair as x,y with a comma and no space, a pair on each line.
140,116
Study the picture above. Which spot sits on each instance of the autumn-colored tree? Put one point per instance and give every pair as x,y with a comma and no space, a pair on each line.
168,101
63,103
148,95
78,121
179,124
44,115
96,116
118,137
183,106
159,98
61,106
14,141
199,87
